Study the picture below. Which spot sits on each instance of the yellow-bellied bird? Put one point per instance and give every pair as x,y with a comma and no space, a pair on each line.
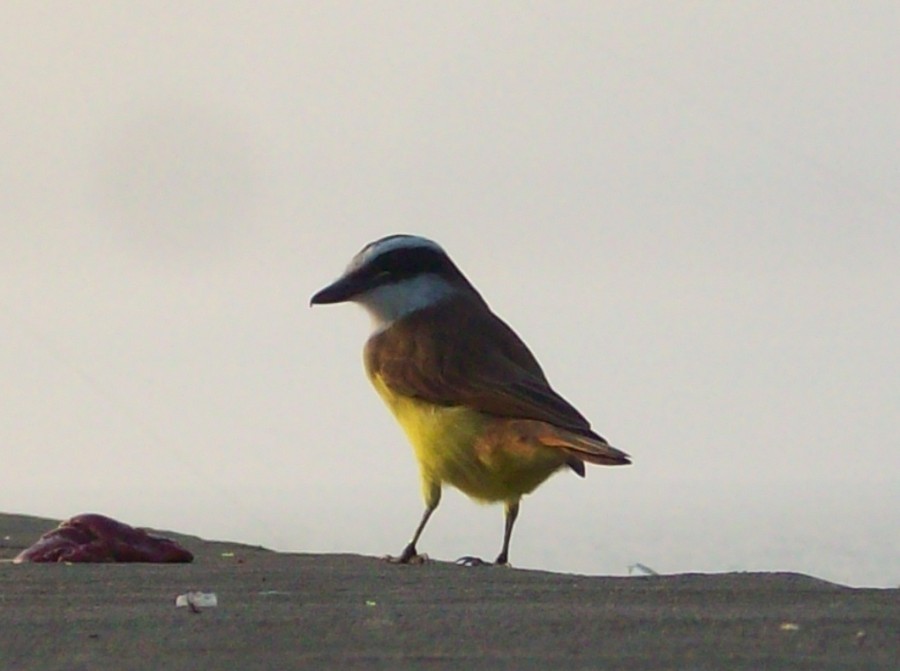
471,397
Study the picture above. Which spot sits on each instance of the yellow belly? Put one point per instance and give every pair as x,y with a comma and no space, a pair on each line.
489,458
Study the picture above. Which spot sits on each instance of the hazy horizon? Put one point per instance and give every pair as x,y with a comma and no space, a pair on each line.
689,213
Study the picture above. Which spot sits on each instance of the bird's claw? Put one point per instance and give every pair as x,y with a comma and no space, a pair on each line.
404,559
471,561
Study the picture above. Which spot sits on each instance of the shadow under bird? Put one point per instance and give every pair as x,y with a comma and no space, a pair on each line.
468,393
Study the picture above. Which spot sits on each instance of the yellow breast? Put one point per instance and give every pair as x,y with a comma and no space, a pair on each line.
489,458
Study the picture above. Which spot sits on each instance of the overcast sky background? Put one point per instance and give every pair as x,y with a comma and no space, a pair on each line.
690,211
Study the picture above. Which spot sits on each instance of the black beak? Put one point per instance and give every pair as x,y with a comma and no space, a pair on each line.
342,289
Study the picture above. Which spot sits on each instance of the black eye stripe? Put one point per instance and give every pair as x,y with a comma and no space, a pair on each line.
405,263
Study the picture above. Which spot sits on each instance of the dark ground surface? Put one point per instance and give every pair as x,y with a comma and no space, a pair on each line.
290,611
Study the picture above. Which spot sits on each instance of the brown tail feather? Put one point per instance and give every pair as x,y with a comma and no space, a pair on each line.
593,450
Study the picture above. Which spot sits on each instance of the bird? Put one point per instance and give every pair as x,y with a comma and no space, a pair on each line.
470,396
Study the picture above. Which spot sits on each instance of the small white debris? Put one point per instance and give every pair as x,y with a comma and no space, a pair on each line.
196,600
789,626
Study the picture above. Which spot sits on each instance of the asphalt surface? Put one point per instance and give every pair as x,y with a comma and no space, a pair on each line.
299,611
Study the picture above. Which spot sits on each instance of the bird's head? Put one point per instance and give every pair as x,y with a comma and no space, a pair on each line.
395,276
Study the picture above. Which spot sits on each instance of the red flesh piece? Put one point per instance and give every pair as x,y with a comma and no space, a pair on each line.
97,538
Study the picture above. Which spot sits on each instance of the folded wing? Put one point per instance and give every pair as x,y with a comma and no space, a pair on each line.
459,354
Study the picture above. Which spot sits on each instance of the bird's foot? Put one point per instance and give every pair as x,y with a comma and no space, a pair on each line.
471,561
415,559
408,556
478,561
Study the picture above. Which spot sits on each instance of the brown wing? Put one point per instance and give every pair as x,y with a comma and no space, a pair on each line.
463,354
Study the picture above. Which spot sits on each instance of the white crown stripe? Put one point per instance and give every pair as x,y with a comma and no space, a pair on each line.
389,244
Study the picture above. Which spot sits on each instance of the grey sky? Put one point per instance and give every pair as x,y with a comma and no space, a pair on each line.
688,210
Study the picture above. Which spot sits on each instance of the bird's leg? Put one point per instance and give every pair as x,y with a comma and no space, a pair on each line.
512,512
409,554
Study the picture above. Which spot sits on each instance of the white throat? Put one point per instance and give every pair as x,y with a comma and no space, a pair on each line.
389,302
